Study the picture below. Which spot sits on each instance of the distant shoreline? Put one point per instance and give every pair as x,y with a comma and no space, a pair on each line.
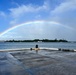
37,40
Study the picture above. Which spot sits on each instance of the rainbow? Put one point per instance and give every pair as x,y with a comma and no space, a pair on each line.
31,22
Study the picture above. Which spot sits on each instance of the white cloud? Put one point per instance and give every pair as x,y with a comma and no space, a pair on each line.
66,6
65,13
23,9
27,12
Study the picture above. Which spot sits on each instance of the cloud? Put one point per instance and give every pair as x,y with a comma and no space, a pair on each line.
23,9
65,13
29,12
64,7
60,11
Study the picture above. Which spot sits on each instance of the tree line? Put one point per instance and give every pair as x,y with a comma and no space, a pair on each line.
38,40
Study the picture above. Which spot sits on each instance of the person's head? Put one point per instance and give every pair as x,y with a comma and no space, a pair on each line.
36,46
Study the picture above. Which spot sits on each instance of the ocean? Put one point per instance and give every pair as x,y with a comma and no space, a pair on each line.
15,45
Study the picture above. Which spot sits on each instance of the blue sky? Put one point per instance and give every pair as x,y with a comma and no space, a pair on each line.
61,14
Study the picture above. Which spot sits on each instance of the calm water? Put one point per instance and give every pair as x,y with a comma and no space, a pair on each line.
13,45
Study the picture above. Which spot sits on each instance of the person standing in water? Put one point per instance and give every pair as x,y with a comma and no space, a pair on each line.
36,48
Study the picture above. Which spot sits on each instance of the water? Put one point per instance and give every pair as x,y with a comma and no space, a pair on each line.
14,45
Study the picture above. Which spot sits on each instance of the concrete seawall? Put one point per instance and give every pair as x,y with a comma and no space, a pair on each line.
51,49
18,49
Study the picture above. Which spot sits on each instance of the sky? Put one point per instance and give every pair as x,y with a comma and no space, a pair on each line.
38,19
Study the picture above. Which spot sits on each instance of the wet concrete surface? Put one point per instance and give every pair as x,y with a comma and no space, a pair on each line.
46,62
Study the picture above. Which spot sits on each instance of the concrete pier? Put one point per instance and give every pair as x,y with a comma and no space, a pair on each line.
47,62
